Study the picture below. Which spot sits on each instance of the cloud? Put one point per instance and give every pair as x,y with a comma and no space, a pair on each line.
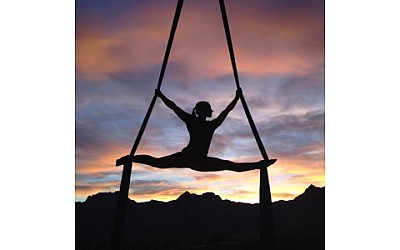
268,39
155,188
83,189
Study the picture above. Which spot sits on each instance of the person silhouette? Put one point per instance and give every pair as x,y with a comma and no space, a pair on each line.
201,130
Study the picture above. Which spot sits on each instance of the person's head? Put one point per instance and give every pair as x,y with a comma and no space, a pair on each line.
203,109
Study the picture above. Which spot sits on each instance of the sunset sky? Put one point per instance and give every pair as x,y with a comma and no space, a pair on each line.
66,116
280,55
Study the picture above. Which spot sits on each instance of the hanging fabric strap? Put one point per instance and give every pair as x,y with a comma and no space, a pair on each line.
229,41
160,78
266,215
119,220
235,73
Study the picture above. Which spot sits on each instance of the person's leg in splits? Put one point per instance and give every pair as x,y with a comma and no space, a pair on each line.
211,164
207,164
177,160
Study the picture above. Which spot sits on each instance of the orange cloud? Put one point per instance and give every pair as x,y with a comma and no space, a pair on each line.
84,189
264,44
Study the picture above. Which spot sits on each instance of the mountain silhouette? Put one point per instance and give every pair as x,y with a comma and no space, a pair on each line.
201,222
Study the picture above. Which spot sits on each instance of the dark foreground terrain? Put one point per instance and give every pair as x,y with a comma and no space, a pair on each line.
201,222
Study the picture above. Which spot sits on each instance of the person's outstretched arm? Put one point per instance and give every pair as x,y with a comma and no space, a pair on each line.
229,108
170,104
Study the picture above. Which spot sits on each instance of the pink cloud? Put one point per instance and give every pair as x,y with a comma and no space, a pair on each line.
264,43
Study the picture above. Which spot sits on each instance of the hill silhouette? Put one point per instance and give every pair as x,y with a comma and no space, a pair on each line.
201,222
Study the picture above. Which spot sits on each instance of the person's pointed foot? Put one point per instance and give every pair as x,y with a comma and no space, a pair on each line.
124,160
271,161
265,163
